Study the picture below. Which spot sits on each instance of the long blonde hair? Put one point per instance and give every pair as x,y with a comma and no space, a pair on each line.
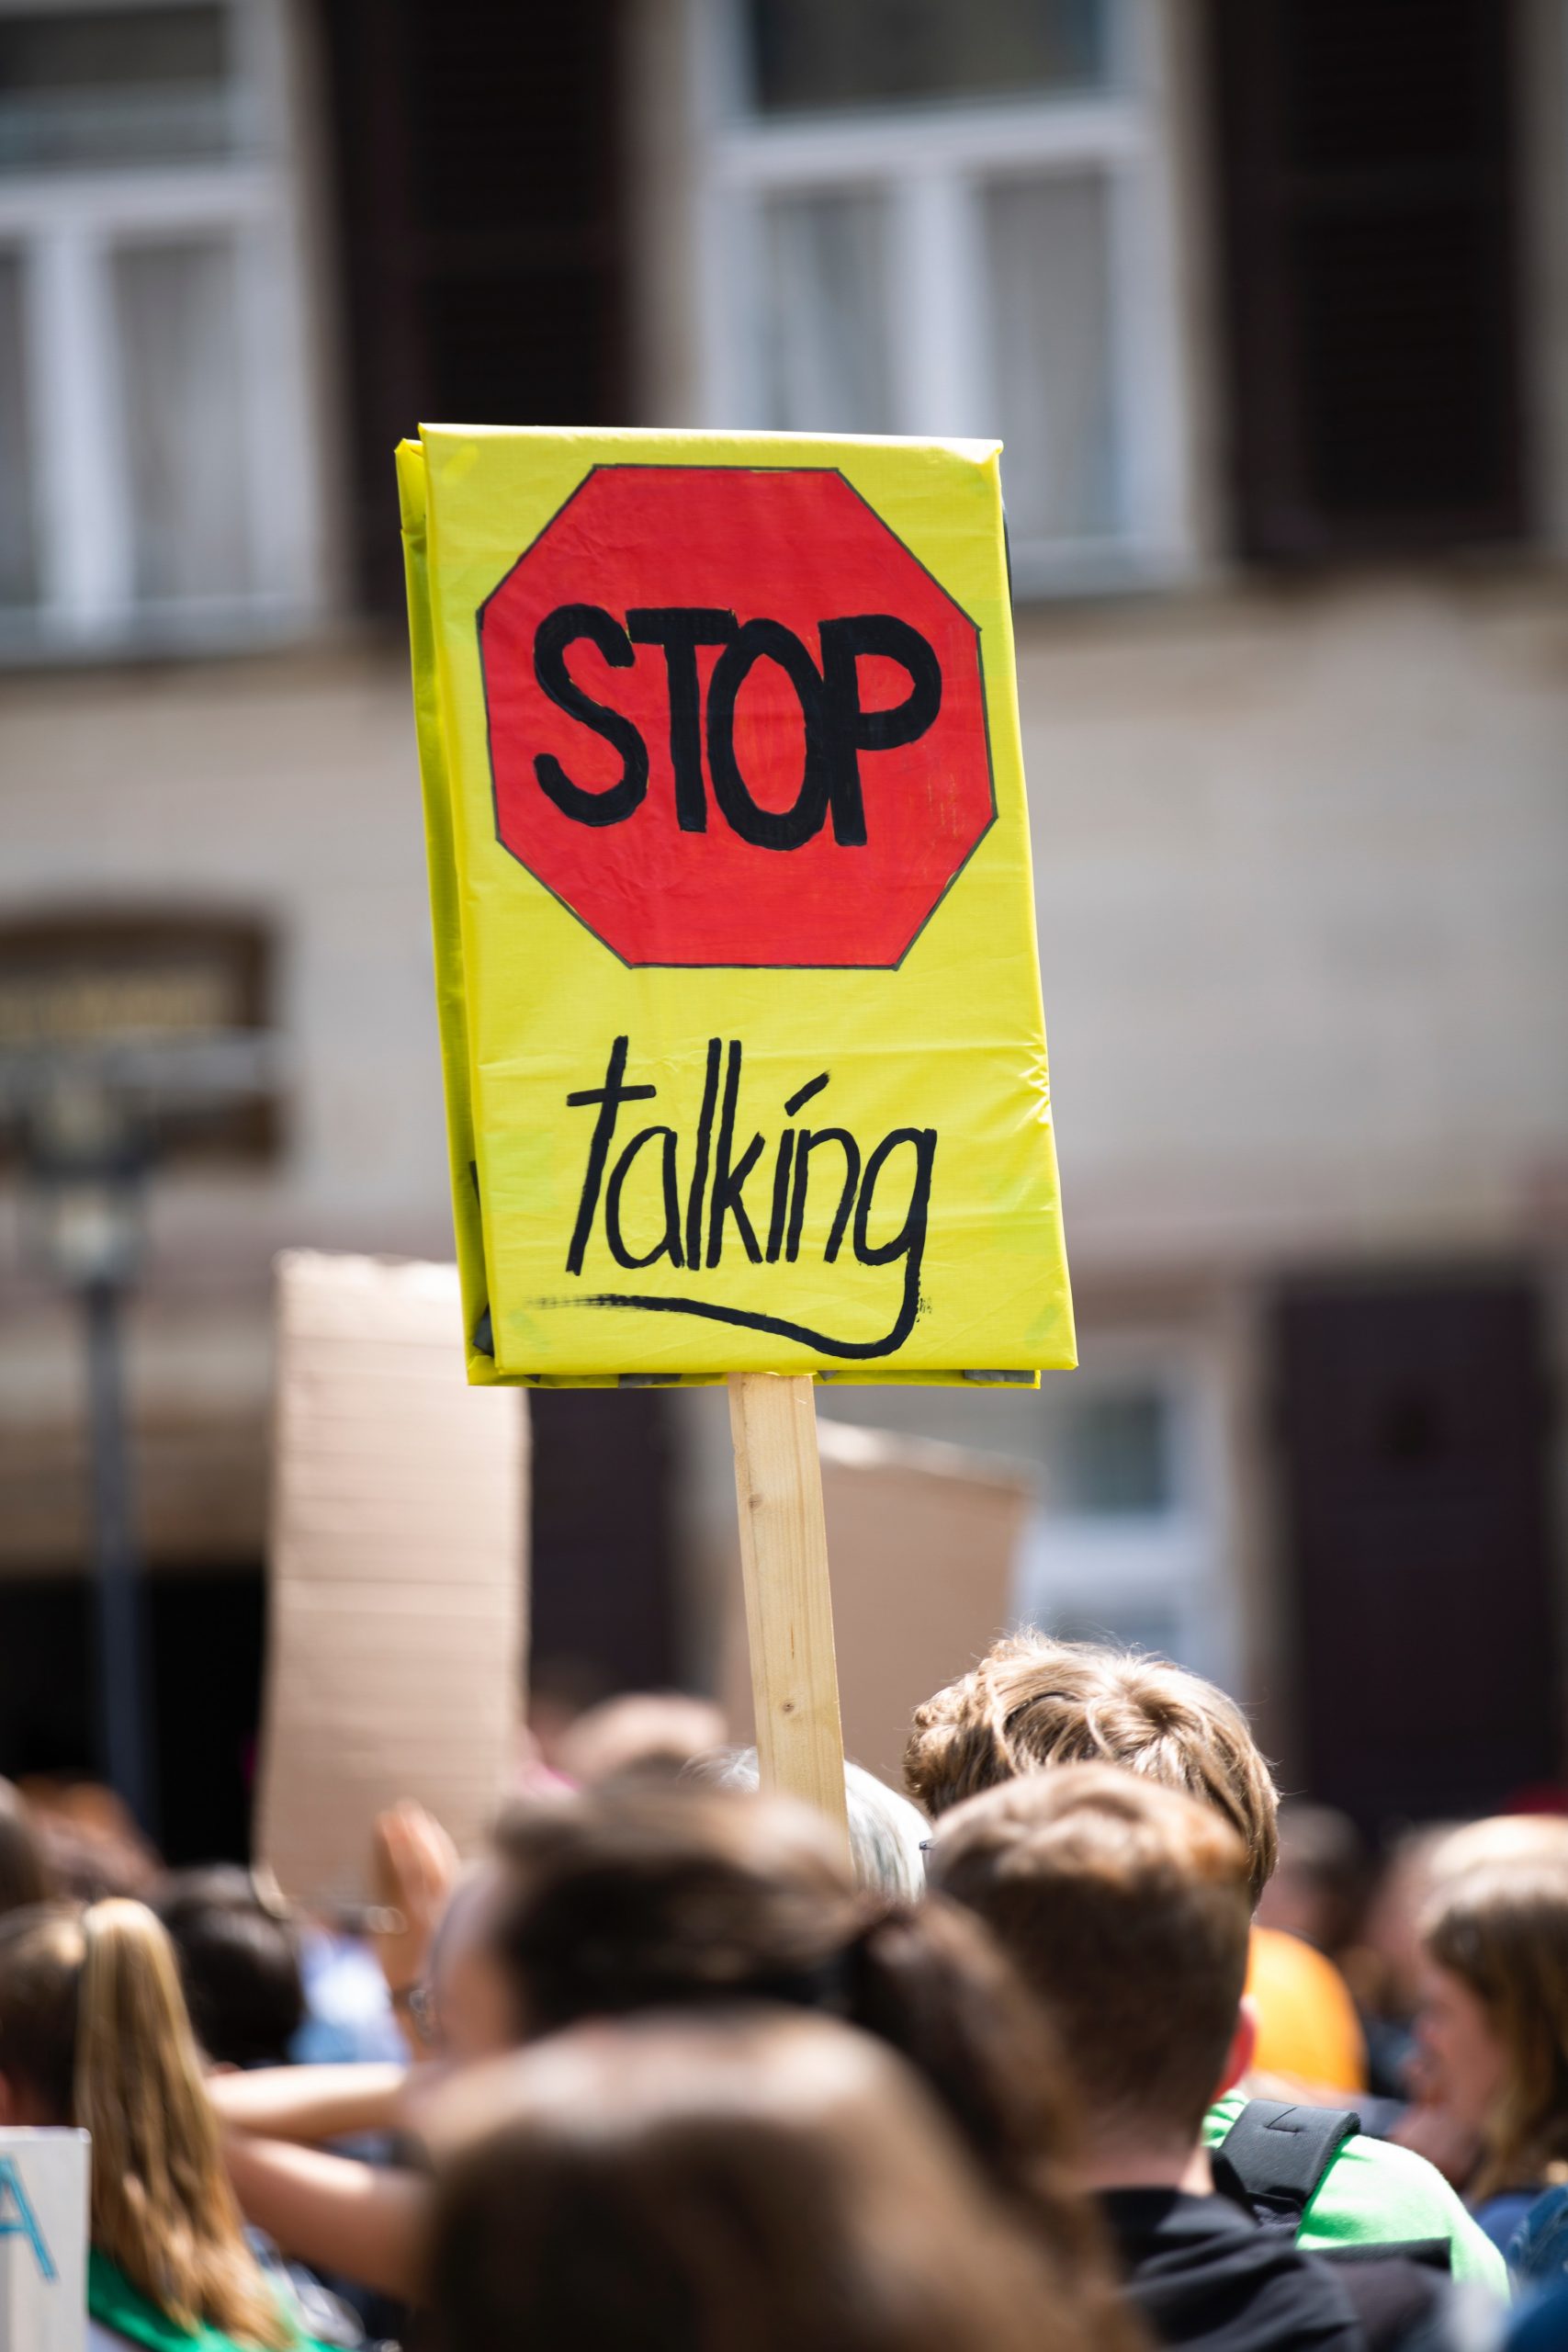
1502,1928
92,2019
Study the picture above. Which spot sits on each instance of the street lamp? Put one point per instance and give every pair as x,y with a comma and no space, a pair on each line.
90,1123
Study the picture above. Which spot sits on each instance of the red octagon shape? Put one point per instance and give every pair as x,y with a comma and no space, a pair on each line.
795,547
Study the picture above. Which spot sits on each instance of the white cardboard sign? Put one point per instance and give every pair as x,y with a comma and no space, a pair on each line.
43,2241
399,1570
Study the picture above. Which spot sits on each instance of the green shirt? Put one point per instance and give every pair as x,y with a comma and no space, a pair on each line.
1376,2193
115,2303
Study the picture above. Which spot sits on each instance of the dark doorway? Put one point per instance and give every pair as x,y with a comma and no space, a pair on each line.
205,1640
604,1599
209,1633
1415,1488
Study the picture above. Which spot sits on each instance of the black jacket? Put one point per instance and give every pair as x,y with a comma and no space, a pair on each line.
1203,2275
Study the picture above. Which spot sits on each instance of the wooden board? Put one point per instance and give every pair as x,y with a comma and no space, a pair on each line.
789,1606
922,1539
398,1570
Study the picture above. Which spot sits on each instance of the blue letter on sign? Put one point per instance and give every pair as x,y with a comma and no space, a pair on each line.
21,2223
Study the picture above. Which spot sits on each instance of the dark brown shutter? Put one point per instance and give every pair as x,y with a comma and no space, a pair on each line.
1415,1488
476,148
1366,154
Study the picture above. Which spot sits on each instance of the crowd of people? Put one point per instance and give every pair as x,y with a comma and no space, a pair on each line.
1083,2043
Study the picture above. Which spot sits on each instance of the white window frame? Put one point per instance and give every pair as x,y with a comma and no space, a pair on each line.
67,224
931,161
1106,1568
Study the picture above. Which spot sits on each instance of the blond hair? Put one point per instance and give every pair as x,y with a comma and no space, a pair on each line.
92,2018
1034,1700
1502,1928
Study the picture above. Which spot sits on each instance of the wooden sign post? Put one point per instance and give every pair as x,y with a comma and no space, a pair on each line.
789,1602
736,961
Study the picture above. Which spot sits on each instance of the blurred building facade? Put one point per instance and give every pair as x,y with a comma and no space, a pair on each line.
1269,301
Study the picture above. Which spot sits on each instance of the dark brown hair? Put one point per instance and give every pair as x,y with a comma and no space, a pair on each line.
1124,1906
1502,1928
1034,1700
759,2181
25,1875
634,1900
239,1959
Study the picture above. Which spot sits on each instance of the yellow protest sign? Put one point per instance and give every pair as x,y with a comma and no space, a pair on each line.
730,883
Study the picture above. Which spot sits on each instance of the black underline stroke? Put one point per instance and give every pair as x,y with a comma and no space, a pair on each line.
772,1324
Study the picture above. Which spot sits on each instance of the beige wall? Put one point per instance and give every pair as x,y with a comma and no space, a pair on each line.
1303,875
1302,864
286,789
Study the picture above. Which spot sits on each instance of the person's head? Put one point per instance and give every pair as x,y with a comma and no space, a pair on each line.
1493,2021
94,2033
238,1961
1418,1863
886,1834
642,1735
1319,1888
25,1873
693,1898
1124,1906
92,1844
474,2011
1033,1702
751,2182
1498,1837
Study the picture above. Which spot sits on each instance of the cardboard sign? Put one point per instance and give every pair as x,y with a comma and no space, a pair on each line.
43,2241
924,1539
731,890
397,1571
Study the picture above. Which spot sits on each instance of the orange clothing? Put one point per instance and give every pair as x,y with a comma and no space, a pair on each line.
1307,2025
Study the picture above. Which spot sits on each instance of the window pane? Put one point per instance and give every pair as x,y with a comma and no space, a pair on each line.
1138,1624
18,583
825,321
1115,1457
1047,249
812,54
82,87
176,316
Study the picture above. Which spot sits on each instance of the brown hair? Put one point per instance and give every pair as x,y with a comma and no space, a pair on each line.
24,1874
1124,1906
1034,1700
751,2182
647,1899
93,2021
1502,1928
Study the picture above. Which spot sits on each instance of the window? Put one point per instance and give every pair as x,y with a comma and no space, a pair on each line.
925,219
1366,160
1128,1542
154,447
481,228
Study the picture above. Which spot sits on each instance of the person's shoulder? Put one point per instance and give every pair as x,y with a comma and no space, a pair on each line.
106,2340
1375,2193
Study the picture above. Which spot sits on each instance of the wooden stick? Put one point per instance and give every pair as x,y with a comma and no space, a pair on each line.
789,1603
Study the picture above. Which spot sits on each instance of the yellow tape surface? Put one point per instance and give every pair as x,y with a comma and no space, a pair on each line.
730,888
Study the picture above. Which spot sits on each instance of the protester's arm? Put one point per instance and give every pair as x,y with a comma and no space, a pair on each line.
413,1868
308,2104
360,2222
